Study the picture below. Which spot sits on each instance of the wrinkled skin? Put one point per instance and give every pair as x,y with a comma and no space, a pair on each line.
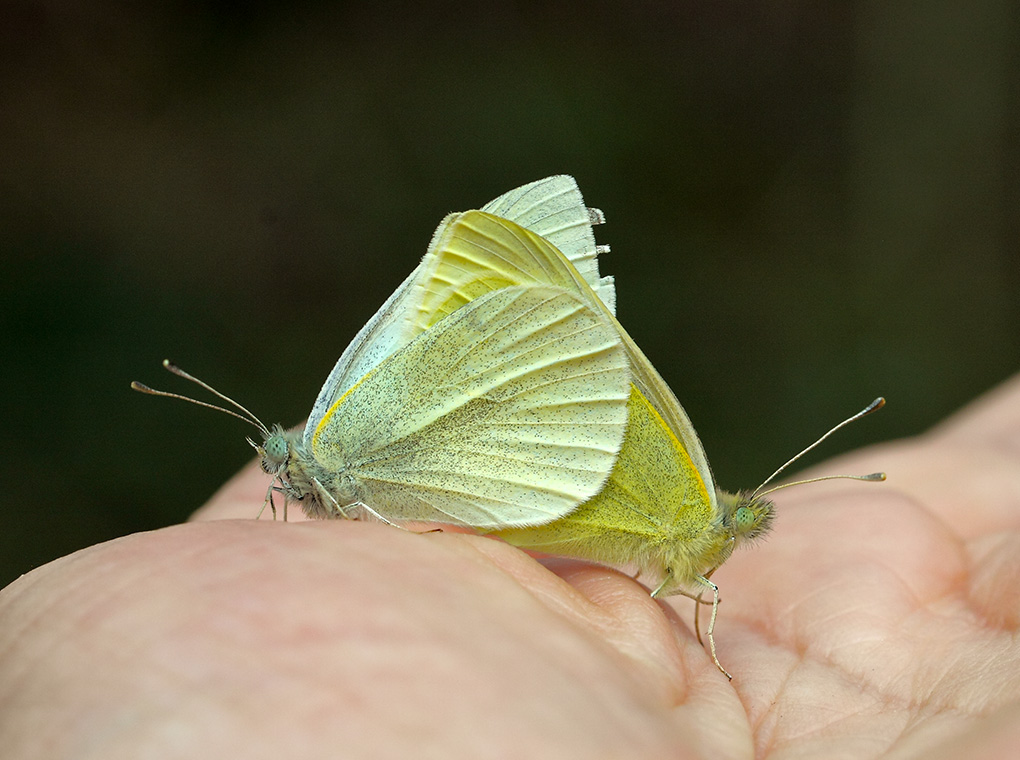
875,621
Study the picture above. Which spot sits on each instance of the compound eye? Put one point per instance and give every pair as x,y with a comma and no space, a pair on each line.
743,519
276,449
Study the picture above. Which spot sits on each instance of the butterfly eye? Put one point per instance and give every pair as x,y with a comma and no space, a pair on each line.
743,519
275,452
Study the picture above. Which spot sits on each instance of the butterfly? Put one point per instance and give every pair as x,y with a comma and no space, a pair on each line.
510,411
660,509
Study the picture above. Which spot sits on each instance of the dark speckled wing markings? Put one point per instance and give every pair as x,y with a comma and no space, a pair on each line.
509,412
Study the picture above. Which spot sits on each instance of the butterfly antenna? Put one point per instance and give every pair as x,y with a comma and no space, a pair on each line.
251,419
874,406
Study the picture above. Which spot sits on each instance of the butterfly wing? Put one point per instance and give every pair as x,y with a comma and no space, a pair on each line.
553,208
509,412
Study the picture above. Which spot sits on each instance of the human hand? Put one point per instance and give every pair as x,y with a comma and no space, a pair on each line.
874,620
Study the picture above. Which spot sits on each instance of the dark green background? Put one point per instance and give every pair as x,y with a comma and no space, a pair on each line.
809,204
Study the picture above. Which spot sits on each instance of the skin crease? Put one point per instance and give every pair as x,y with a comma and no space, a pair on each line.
874,621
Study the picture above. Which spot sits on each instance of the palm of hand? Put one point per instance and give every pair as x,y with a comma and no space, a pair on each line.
875,619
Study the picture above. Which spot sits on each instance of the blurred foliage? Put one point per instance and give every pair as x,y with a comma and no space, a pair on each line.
809,205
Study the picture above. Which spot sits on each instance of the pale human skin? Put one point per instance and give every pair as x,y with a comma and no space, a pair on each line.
877,620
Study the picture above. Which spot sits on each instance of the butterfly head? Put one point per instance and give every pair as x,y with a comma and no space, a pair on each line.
747,516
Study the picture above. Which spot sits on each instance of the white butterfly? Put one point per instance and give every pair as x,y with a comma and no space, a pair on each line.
509,411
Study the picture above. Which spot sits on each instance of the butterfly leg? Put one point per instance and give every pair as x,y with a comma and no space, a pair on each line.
392,524
272,504
704,581
376,515
325,497
697,598
664,588
669,587
698,601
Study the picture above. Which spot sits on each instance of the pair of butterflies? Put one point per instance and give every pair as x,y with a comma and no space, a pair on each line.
495,389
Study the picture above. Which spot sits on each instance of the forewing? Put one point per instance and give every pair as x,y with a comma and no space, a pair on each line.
509,412
554,209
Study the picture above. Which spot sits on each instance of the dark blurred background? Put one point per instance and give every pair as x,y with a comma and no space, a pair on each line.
809,204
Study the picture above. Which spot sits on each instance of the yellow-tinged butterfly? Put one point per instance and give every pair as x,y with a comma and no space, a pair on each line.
660,509
510,411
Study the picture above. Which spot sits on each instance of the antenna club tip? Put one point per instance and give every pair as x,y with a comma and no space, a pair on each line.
137,386
876,476
874,406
